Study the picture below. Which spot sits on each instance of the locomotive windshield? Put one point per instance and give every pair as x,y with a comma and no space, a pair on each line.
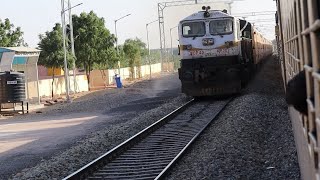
221,27
193,29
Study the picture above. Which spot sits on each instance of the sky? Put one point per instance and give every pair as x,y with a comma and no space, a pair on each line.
38,16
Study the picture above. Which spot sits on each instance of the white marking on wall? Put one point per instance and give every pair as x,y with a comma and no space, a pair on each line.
6,61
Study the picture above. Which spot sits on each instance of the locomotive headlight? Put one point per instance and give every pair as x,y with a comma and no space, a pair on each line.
188,76
187,47
205,42
206,14
210,41
229,43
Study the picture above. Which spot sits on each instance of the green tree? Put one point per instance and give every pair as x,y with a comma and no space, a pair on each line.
122,57
52,52
9,35
134,50
94,44
141,45
110,60
154,57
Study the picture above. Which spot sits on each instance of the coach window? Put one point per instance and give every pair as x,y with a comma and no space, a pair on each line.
221,27
193,29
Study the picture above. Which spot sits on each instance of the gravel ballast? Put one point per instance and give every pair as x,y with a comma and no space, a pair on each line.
251,139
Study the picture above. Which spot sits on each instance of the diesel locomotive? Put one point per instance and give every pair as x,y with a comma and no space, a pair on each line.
219,53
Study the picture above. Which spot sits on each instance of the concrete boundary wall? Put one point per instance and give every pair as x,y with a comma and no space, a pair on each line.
45,85
98,79
103,78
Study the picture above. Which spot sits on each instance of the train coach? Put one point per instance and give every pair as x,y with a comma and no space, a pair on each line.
218,52
298,38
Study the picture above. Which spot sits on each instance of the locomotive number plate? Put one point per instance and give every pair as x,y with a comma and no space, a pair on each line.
196,52
210,91
12,82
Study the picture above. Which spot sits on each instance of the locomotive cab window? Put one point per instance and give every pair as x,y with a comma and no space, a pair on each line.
193,29
221,27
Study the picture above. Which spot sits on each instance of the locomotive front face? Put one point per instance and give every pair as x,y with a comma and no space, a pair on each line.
209,54
208,38
217,56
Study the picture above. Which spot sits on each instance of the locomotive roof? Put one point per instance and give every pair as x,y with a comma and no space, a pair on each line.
213,15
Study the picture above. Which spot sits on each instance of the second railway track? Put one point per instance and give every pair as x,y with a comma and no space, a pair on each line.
150,153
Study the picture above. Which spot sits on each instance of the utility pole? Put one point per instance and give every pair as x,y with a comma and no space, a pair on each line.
66,70
66,19
116,33
171,42
149,51
229,6
72,49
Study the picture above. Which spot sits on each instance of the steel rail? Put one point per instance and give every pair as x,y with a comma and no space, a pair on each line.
90,168
170,165
151,153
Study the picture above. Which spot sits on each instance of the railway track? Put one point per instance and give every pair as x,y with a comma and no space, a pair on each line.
150,153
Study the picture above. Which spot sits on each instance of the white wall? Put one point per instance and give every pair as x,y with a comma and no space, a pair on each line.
98,79
125,72
45,85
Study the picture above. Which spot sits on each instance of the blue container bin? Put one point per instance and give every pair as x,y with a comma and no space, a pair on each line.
118,81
